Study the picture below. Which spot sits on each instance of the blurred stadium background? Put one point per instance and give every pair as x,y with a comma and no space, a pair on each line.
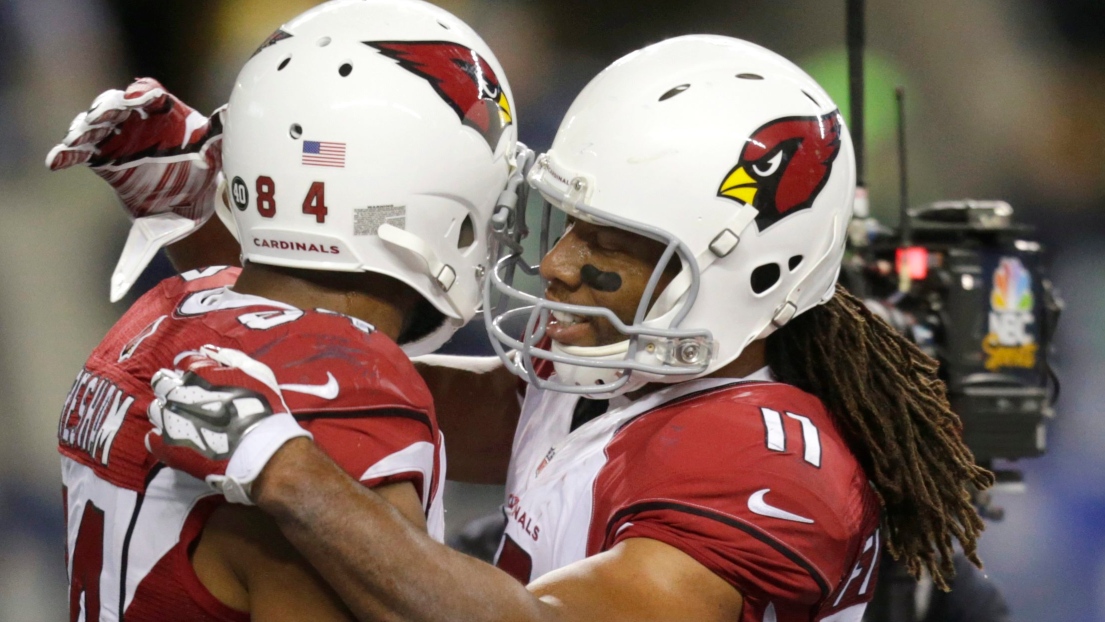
1007,100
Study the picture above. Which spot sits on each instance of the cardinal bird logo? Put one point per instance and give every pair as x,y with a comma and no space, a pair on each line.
784,166
461,77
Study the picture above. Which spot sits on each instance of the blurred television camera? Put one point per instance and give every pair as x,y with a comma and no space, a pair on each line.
969,286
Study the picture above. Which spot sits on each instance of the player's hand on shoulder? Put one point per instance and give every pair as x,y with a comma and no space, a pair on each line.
219,416
159,154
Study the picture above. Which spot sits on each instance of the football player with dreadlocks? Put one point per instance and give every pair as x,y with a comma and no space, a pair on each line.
366,143
712,430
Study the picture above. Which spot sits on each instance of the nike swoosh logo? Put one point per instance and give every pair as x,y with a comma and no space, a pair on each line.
757,505
327,391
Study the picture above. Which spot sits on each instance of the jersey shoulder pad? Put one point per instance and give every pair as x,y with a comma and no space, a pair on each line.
357,392
329,362
145,315
749,479
207,278
173,288
719,437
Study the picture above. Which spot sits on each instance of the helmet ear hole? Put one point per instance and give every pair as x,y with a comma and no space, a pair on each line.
794,262
467,233
765,277
345,69
672,92
284,63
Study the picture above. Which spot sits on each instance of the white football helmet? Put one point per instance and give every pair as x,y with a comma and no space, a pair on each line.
372,135
733,158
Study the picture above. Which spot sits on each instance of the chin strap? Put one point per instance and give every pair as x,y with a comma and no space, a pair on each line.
442,273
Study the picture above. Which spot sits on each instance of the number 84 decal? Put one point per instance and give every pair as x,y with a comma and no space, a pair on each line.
314,204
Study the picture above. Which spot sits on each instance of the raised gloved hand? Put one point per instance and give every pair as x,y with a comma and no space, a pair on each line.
159,154
162,158
220,417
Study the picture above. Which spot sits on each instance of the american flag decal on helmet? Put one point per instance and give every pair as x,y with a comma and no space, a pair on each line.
323,153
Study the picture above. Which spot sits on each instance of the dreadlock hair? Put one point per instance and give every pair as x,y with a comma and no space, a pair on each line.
893,410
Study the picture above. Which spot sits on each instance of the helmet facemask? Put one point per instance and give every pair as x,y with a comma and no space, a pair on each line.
654,346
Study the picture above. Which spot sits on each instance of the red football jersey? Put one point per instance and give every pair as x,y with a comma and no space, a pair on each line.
131,521
751,478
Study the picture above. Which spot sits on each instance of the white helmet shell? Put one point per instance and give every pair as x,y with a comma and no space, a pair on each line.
739,163
373,135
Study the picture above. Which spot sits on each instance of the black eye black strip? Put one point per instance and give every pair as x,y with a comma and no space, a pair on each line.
602,281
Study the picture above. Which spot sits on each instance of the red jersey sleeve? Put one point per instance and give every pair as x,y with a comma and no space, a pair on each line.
755,483
378,447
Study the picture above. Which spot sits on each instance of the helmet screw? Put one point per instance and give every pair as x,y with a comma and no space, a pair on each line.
578,184
688,352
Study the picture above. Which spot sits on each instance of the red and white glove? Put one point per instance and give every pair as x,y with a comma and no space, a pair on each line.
162,158
219,418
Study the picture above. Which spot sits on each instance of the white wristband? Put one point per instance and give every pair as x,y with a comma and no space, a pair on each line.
253,453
